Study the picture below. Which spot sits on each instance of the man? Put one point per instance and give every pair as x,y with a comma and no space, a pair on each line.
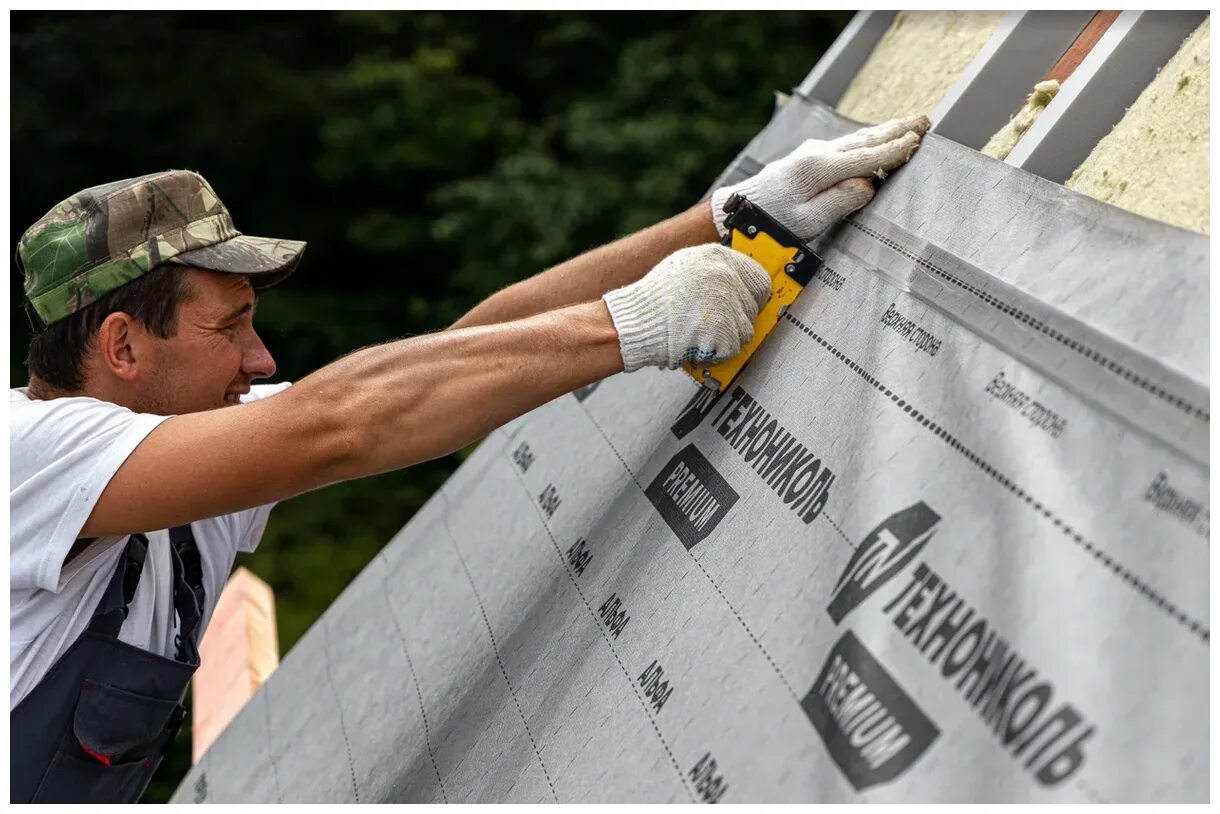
131,491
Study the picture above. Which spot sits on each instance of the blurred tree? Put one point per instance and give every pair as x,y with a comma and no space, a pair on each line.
428,158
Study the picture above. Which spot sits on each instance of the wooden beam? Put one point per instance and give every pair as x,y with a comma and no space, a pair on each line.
238,653
1083,44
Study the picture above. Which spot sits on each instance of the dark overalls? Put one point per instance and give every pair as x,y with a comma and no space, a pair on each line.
98,724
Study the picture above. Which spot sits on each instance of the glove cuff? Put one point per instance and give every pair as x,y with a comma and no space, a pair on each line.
719,196
640,319
749,188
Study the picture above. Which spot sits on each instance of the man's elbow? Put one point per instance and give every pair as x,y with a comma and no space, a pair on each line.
331,432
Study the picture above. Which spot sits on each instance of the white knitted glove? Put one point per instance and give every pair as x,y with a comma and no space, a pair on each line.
811,188
697,304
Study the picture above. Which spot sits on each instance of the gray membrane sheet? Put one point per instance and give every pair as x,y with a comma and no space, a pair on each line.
944,539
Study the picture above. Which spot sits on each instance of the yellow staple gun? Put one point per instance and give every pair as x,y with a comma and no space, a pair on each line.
791,265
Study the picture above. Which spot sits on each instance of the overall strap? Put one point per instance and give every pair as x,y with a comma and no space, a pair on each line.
188,590
182,538
112,609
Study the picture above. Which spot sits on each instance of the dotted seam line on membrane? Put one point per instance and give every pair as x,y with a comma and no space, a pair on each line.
275,772
1125,574
495,649
741,621
846,539
1084,350
695,560
415,680
347,745
568,570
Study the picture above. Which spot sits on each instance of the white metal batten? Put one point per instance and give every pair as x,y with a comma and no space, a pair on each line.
844,58
1097,94
994,85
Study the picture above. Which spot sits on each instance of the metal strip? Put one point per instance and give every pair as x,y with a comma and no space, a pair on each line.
1112,376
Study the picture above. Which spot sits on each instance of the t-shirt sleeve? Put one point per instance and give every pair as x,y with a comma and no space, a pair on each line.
63,453
262,391
254,528
256,518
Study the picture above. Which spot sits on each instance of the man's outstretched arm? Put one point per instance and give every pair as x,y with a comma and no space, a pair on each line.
380,408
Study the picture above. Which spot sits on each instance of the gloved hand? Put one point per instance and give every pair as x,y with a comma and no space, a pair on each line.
821,182
698,304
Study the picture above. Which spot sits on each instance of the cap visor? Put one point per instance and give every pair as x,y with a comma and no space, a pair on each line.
266,260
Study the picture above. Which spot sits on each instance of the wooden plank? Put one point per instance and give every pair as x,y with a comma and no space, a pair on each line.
238,653
1083,44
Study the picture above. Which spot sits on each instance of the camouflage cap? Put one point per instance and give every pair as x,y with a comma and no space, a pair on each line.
106,236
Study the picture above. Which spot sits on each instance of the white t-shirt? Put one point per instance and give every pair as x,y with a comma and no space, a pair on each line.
63,452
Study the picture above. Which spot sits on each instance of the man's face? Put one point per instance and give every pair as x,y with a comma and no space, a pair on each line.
215,354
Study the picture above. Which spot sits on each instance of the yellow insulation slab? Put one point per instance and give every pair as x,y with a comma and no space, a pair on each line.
1006,138
915,62
1155,160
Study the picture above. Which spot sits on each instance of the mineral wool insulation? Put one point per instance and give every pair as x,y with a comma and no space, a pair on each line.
916,61
1155,160
1006,138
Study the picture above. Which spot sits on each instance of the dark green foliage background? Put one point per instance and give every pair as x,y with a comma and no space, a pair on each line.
428,158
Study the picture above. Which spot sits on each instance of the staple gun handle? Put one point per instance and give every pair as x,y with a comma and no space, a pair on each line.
788,261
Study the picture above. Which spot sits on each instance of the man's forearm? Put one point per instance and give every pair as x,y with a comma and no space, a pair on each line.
428,396
595,272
